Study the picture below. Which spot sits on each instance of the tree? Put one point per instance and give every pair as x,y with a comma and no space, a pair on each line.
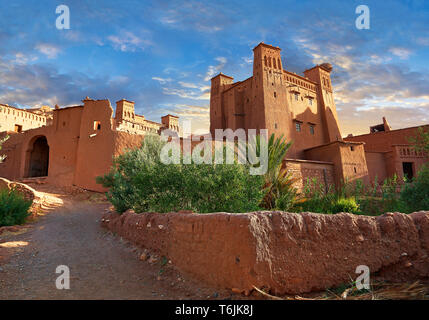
421,140
279,190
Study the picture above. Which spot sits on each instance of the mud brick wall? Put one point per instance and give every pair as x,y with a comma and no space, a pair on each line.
285,252
304,170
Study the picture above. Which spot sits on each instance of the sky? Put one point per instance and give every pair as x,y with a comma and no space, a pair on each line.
162,54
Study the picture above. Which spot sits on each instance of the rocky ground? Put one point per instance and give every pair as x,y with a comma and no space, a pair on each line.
102,265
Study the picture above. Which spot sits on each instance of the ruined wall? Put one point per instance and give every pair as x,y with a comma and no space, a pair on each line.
285,252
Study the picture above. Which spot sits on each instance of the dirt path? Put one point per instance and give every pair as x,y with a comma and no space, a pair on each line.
102,266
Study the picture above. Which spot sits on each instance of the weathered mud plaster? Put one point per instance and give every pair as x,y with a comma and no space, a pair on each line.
286,252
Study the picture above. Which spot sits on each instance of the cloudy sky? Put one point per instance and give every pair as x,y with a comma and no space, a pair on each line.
161,54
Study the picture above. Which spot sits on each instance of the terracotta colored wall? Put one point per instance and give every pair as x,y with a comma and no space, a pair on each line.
396,148
383,141
345,161
304,170
267,101
9,117
62,137
377,166
285,252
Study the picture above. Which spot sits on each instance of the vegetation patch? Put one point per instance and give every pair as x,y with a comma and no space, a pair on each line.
14,209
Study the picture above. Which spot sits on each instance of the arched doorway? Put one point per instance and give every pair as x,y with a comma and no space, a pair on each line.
38,158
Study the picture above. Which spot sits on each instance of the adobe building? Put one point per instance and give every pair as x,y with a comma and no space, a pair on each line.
18,120
77,144
389,152
302,108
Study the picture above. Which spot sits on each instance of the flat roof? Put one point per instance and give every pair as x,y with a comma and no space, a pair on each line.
371,133
221,74
338,141
170,115
267,45
125,100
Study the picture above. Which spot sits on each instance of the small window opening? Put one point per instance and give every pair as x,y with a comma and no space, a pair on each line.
97,125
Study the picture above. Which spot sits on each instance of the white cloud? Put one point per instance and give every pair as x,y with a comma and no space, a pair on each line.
402,53
49,50
128,41
213,70
162,80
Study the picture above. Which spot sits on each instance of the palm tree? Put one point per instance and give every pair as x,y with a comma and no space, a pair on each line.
279,192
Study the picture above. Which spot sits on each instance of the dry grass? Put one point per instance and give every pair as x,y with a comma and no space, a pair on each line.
378,291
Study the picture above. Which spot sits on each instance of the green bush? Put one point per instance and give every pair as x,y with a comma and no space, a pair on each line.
139,180
415,195
13,208
344,205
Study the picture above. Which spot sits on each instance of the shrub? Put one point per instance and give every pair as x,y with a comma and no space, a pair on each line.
344,205
13,208
415,195
139,180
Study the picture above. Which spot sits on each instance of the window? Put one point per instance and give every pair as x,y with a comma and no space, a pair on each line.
265,61
298,126
296,96
18,128
275,94
407,168
352,148
310,101
275,125
97,125
311,129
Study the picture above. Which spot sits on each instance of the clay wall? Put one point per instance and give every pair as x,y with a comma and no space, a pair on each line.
283,252
349,165
11,117
306,170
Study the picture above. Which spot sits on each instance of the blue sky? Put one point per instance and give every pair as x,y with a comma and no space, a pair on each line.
161,54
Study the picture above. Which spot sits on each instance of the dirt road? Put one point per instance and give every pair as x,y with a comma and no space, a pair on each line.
102,266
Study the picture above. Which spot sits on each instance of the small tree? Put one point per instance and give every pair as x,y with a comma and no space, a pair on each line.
421,140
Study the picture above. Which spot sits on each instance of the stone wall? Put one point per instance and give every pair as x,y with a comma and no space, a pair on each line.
285,252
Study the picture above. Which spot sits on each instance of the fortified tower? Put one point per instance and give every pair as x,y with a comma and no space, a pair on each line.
270,105
321,74
124,111
217,113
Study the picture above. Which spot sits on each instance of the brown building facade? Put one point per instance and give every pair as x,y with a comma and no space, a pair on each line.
389,152
302,108
79,143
